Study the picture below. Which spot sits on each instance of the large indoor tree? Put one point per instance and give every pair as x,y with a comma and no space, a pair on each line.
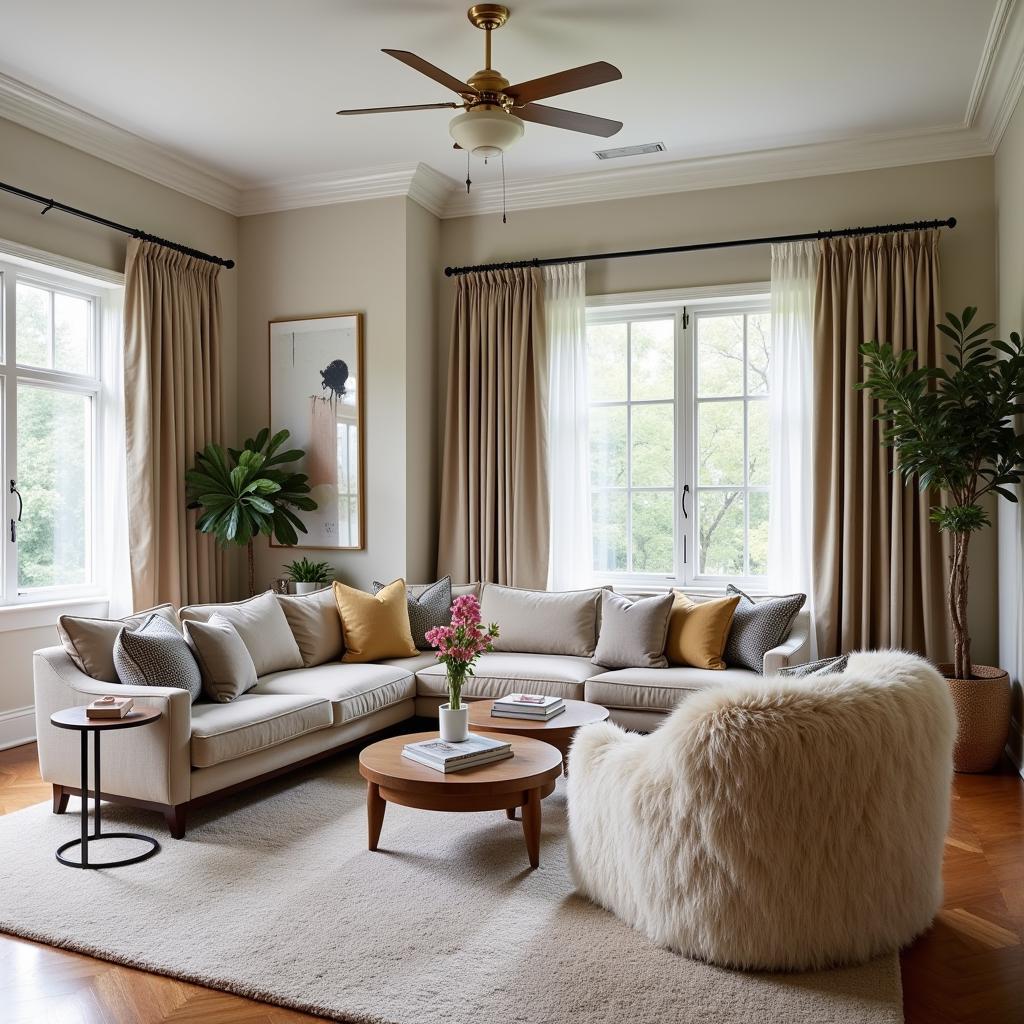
954,430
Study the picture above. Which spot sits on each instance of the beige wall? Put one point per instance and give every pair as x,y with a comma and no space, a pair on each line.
963,189
353,257
1009,183
41,165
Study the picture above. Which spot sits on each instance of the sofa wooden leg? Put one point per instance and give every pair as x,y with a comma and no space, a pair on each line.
175,818
60,799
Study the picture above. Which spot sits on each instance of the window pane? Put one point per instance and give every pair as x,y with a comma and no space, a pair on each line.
606,362
758,443
757,533
608,446
720,443
653,536
609,512
719,356
33,325
720,533
72,339
759,346
652,343
652,446
54,476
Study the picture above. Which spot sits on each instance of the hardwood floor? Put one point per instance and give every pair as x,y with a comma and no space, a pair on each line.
968,969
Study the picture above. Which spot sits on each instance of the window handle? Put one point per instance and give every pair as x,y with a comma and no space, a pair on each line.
686,491
21,507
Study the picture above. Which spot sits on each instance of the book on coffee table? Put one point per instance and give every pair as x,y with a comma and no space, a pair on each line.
452,757
109,707
527,705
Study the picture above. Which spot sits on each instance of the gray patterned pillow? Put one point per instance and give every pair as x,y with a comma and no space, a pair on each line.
759,626
824,667
429,607
156,654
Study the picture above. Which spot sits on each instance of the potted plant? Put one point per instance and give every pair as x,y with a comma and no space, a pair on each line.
244,493
458,647
309,576
954,431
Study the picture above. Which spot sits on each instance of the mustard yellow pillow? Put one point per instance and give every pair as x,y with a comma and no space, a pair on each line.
375,625
697,632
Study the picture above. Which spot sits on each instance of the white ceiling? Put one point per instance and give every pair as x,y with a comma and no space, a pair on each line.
248,88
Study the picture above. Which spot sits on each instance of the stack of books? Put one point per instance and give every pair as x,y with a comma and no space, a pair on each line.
527,705
109,707
453,757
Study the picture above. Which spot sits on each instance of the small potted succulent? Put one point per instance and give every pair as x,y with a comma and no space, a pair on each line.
458,647
308,576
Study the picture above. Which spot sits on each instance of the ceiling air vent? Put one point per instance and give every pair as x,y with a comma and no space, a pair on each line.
614,154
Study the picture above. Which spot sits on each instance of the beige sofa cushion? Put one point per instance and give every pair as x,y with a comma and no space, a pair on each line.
315,624
353,690
252,722
90,642
262,626
419,661
542,622
499,674
224,661
657,689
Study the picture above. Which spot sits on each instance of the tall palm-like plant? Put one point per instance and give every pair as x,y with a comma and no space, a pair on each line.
245,492
954,430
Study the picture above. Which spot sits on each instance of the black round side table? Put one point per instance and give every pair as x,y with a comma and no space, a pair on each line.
76,718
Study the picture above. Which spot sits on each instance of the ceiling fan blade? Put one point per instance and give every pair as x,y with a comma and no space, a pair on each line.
575,122
388,110
564,81
424,67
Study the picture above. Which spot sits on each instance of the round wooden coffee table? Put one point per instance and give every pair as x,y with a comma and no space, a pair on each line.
557,731
522,780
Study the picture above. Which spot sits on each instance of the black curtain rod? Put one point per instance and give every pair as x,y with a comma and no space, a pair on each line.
879,229
52,204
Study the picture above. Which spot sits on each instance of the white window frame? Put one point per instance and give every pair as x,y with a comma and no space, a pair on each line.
106,301
684,306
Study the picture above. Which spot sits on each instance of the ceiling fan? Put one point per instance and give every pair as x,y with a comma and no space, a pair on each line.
494,110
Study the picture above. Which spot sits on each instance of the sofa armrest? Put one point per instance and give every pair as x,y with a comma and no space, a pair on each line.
152,763
794,650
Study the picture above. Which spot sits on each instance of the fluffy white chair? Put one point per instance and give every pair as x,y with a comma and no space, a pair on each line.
787,824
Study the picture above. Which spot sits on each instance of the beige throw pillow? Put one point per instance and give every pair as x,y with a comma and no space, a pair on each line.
315,624
90,642
261,624
224,661
542,622
633,633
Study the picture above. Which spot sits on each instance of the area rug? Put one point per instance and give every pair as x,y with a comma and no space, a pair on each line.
273,895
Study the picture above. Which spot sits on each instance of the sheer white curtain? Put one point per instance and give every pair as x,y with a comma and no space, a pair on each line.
571,558
794,275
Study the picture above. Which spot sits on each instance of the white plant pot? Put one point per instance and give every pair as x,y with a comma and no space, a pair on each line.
307,588
454,724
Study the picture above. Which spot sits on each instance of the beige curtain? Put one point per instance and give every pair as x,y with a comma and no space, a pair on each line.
172,374
494,489
879,566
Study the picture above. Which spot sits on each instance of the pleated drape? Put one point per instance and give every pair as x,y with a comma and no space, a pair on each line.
879,565
494,489
173,408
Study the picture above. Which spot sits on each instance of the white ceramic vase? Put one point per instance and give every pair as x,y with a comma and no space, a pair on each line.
307,588
454,724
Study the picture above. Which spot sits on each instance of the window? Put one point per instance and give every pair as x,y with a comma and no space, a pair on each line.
51,394
679,440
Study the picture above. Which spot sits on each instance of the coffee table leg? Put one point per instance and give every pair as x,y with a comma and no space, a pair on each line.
510,813
531,826
376,805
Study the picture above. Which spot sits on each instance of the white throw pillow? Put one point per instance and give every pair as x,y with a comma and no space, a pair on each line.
542,622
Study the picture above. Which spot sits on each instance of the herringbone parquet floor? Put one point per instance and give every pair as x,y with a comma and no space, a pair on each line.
968,969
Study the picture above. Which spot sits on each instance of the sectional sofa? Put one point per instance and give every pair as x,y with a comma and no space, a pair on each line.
295,715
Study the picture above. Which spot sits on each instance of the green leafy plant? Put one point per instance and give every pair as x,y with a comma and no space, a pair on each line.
242,493
954,431
305,571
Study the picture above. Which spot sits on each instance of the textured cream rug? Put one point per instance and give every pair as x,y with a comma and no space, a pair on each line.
274,895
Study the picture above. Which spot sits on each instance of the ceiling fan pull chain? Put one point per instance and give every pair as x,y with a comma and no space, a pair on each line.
468,182
504,219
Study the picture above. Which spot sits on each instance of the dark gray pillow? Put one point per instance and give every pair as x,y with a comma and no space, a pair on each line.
824,667
431,606
758,627
156,654
633,633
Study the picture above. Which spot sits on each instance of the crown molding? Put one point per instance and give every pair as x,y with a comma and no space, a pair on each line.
58,120
1000,78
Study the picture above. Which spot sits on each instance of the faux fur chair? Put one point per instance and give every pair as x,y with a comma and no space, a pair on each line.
792,823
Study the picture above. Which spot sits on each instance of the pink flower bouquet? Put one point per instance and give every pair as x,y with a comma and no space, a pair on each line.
460,644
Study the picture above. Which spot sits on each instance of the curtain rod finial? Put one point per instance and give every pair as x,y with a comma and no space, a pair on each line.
951,223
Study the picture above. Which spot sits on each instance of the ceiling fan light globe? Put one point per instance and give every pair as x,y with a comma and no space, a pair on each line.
486,131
